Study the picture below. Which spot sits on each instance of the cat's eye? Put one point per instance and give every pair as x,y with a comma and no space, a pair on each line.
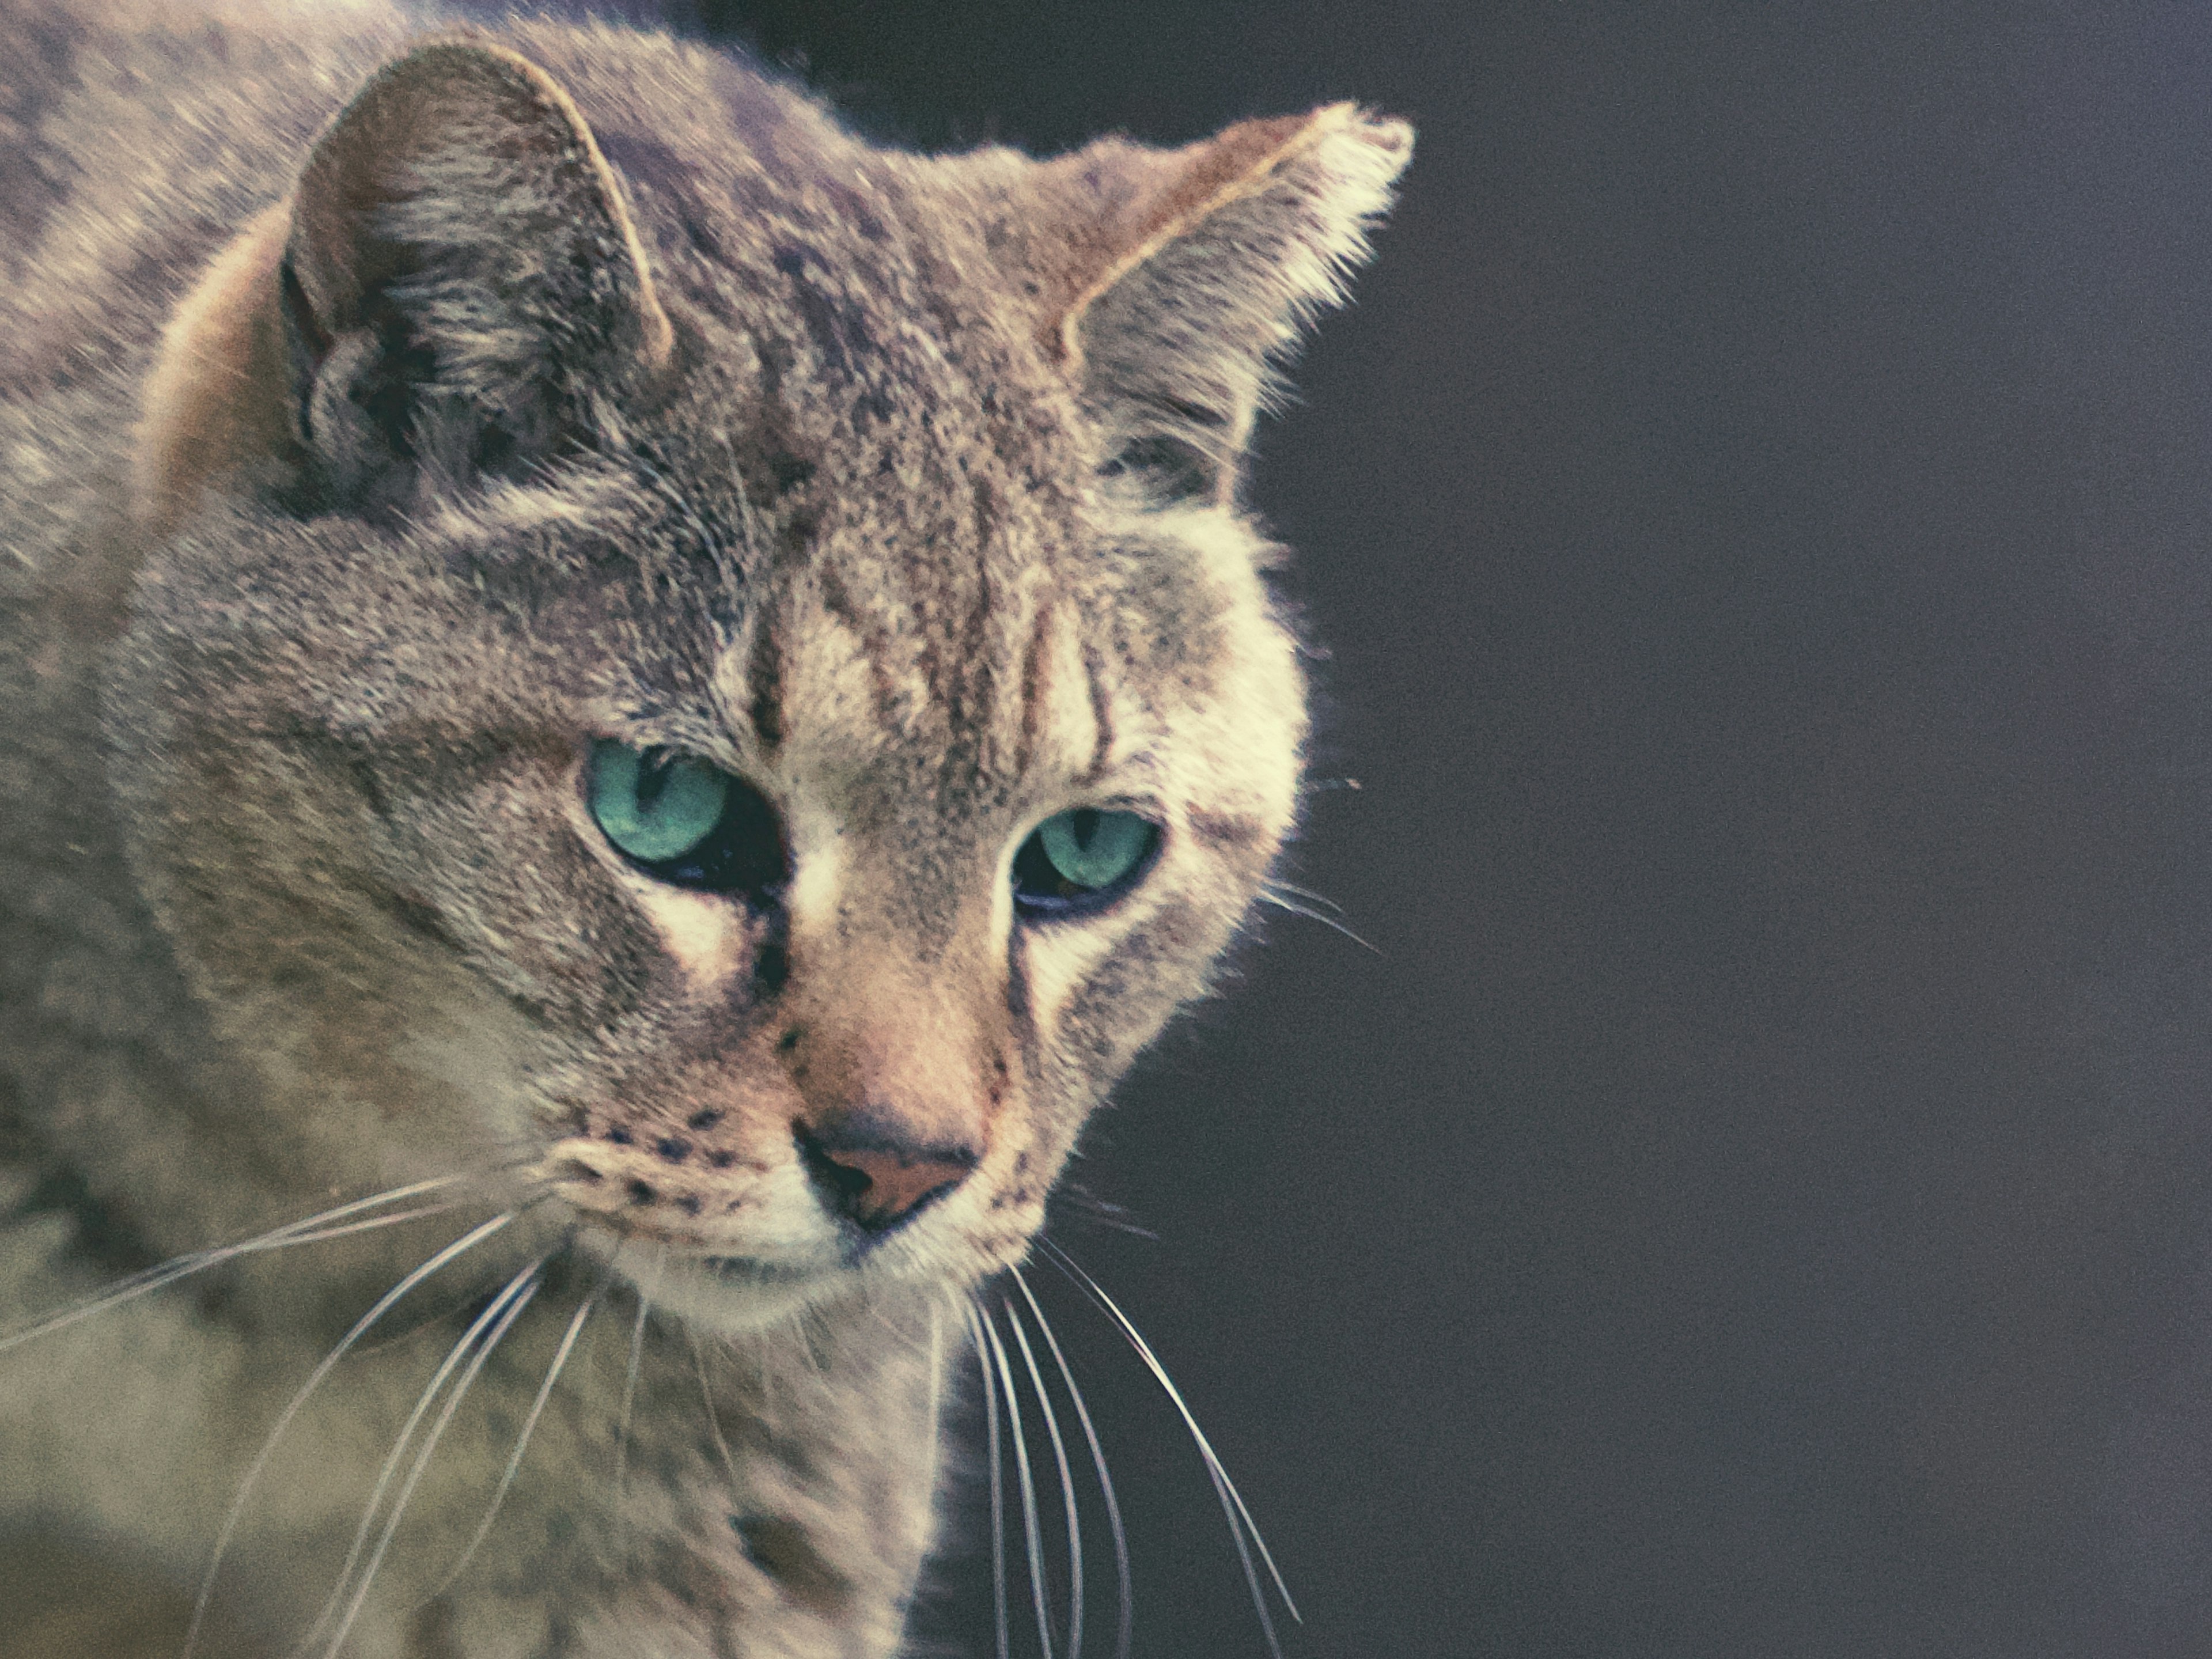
1169,469
1082,861
684,822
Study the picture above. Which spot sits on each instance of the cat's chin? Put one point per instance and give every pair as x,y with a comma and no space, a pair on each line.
732,1295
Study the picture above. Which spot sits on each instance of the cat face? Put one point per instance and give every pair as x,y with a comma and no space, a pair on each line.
738,700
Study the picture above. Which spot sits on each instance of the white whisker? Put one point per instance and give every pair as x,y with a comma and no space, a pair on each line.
303,1231
714,1417
431,1389
1098,1462
522,1440
1232,1501
1306,893
384,1305
505,1310
1038,1589
997,1483
1269,895
936,1372
629,1393
1066,1484
347,1228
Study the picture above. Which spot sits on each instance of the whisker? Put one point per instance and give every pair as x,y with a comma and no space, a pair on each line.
521,1441
936,1371
1073,1194
1232,1501
390,1299
714,1418
1038,1589
303,1231
453,1357
629,1391
1307,893
1270,897
350,1227
998,1484
1066,1484
505,1310
1098,1462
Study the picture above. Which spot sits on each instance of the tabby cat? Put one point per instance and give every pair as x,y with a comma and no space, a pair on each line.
620,710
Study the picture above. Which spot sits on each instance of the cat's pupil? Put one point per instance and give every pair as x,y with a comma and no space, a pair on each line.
652,780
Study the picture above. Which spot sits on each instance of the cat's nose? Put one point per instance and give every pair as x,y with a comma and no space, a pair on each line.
868,1174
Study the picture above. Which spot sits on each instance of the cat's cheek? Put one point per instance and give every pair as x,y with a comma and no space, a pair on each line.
709,938
1056,961
705,935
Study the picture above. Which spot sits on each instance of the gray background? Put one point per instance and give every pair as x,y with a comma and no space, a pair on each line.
1758,1201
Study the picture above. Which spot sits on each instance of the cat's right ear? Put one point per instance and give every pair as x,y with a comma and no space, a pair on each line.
452,287
1171,284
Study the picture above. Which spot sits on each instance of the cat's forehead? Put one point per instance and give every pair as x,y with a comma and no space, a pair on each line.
893,482
924,613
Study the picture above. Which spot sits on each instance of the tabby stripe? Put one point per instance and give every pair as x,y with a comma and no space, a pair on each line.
1102,714
765,680
1035,682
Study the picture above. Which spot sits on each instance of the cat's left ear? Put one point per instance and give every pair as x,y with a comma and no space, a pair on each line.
1172,283
461,278
450,290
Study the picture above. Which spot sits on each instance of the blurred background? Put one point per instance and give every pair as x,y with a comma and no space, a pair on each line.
1756,1197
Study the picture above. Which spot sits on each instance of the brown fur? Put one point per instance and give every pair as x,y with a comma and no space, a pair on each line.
379,426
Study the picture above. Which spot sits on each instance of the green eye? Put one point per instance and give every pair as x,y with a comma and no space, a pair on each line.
1082,860
655,806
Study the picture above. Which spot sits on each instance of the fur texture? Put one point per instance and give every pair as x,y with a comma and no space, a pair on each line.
381,424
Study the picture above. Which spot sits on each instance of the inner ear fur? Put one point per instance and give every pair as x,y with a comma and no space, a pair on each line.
453,273
464,149
1174,282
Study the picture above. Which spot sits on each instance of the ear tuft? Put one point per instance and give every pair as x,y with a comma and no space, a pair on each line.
461,272
1173,282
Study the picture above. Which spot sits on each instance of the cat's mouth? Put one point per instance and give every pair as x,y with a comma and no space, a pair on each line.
753,1236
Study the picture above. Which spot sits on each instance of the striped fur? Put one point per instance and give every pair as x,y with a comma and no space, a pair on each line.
356,471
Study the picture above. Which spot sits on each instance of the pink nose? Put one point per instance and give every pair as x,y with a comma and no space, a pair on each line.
874,1179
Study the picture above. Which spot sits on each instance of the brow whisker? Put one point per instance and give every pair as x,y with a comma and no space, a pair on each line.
1271,896
1232,1501
390,1299
1066,1484
1038,1589
1098,1462
502,1313
1306,893
522,1440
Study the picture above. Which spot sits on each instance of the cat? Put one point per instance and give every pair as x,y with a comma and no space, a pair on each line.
621,709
